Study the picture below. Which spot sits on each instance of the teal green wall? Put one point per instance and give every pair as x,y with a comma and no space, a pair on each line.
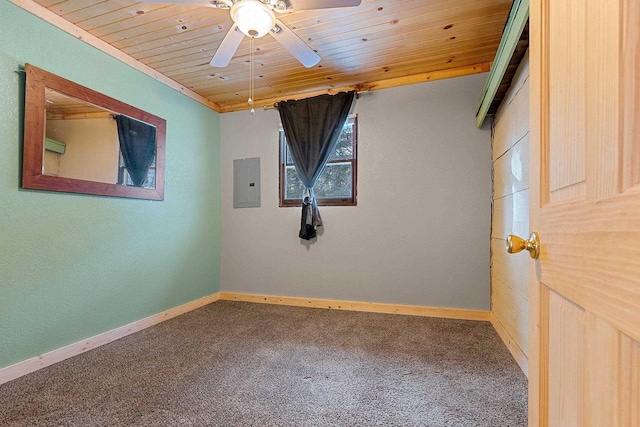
73,266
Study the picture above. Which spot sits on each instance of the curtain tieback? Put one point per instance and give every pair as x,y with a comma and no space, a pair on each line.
308,196
308,200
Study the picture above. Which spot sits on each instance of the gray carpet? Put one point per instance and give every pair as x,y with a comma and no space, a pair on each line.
241,364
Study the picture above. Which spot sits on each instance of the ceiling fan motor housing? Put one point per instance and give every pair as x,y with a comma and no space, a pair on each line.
254,18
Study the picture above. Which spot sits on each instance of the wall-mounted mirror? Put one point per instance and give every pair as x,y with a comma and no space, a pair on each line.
77,140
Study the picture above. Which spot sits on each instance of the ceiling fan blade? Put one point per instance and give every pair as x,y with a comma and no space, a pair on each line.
322,4
227,48
294,45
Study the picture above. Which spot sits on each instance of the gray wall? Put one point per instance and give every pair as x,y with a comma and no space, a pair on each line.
421,231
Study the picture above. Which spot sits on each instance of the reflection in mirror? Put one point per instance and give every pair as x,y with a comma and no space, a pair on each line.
92,143
137,152
81,140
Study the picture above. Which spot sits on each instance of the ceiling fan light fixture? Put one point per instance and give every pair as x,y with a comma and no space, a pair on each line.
254,18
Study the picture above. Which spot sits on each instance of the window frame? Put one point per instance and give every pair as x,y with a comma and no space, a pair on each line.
351,201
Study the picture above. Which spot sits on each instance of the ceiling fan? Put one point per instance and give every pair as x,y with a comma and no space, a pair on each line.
257,18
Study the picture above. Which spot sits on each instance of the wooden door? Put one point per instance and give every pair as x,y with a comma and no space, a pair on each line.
585,204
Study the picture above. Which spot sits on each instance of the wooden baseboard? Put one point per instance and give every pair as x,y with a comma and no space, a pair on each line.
31,365
520,357
411,310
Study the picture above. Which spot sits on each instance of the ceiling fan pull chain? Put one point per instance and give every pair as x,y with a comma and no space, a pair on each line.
253,111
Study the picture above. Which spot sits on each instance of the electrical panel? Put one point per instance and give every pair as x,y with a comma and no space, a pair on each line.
246,183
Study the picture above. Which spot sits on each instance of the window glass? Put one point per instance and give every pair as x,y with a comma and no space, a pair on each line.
336,185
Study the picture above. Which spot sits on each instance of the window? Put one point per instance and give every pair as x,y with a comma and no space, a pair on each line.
125,179
337,184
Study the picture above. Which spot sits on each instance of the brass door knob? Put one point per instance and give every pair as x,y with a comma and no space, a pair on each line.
516,244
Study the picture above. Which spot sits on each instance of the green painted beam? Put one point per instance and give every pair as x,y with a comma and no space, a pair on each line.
55,146
518,17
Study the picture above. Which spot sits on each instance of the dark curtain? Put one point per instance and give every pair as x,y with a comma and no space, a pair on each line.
312,127
138,147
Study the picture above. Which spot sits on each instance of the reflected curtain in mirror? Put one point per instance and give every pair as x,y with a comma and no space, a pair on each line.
312,127
137,146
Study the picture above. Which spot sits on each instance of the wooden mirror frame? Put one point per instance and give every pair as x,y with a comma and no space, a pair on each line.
34,139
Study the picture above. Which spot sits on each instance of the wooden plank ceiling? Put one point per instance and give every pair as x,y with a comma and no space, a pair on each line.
379,41
63,107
